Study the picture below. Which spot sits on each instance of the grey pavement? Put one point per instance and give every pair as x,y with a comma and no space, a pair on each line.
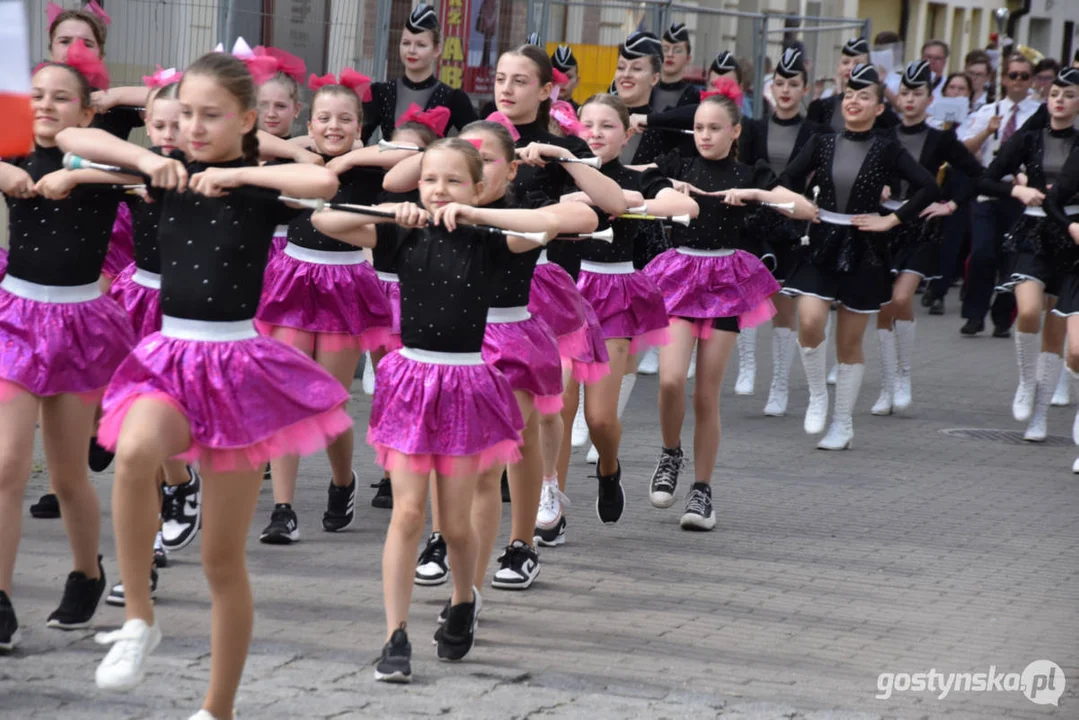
916,550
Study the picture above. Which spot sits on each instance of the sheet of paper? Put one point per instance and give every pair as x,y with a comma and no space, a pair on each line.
951,110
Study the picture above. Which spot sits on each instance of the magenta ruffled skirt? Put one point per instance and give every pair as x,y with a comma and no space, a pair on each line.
628,306
3,262
142,303
337,307
50,348
526,353
555,298
246,401
121,244
391,289
706,287
454,419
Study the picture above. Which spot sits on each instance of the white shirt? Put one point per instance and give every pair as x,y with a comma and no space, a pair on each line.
979,120
980,101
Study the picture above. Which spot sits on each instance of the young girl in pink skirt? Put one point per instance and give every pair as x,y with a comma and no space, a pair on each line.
439,407
322,297
627,301
208,387
61,338
713,285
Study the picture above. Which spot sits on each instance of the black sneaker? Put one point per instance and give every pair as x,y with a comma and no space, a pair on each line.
505,487
1001,332
116,595
699,514
9,624
284,528
181,512
611,500
81,596
520,567
340,507
551,537
665,478
46,508
456,636
161,555
99,458
937,306
445,613
972,327
431,568
395,665
384,495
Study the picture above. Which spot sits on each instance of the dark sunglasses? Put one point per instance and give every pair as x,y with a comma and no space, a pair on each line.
1019,75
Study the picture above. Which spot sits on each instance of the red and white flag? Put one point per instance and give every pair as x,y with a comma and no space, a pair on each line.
16,118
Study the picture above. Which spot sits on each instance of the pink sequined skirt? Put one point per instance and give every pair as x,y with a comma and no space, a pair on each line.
3,262
247,399
456,419
134,290
555,298
121,244
59,340
311,293
628,305
525,352
705,286
391,288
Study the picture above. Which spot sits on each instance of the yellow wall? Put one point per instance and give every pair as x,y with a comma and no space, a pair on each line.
596,64
884,14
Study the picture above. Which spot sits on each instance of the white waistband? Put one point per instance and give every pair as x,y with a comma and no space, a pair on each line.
147,279
388,277
618,268
432,357
62,295
280,231
834,218
508,315
1038,211
542,260
207,330
695,252
325,257
893,204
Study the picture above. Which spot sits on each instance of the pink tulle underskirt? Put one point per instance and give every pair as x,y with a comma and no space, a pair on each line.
309,342
505,452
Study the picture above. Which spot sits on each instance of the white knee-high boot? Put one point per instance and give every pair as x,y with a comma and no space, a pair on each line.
747,362
1048,372
841,432
813,360
888,363
1073,377
579,434
782,357
1062,396
1026,354
368,380
904,345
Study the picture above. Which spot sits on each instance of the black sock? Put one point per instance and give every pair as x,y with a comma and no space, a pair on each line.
673,451
705,488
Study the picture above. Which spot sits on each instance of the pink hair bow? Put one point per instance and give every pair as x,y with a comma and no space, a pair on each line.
474,142
497,117
89,64
162,77
727,88
52,11
287,63
560,81
563,114
436,118
360,83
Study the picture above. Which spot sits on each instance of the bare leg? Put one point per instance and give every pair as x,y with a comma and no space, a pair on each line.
228,507
284,469
402,537
342,365
673,366
17,427
456,514
601,408
66,425
526,475
570,400
712,357
486,519
152,431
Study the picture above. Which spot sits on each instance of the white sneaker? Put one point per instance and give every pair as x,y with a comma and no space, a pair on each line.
550,521
692,373
205,715
579,435
593,456
1075,466
649,364
122,668
368,379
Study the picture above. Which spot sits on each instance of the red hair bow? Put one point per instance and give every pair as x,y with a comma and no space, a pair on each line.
436,118
727,88
162,77
89,64
559,77
52,11
287,63
564,115
360,84
497,117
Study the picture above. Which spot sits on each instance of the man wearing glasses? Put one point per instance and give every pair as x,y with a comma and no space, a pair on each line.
934,52
983,133
978,67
